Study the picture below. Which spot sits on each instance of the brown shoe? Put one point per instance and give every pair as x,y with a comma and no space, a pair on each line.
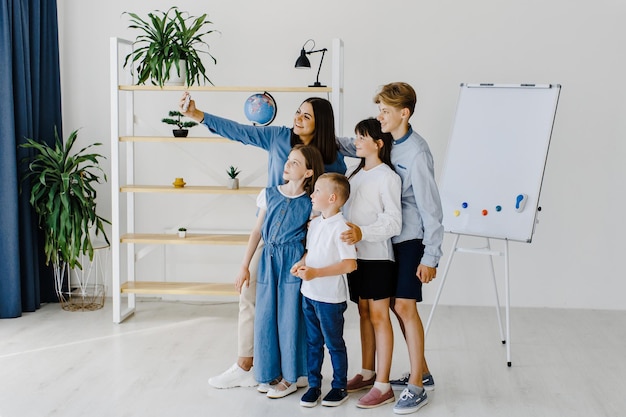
375,398
358,383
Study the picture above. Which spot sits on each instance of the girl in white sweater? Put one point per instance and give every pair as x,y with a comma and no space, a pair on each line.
374,215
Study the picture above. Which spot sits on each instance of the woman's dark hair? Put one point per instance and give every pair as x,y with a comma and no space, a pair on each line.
313,159
371,127
324,133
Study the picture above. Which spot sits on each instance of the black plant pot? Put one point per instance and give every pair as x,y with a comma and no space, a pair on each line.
180,133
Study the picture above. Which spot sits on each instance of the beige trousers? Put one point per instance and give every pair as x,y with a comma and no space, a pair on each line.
247,301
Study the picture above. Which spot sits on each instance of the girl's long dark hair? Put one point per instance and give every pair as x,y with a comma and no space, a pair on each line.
371,127
324,133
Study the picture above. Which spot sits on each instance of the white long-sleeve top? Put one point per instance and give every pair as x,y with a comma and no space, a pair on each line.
421,205
375,206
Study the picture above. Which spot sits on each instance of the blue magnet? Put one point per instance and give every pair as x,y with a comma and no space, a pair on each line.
520,202
464,205
498,208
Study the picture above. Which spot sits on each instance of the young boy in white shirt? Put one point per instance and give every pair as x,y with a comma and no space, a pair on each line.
324,289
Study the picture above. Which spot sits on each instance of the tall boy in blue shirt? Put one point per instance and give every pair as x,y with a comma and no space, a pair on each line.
417,249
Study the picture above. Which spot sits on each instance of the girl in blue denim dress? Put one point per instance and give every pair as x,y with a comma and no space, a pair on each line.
284,211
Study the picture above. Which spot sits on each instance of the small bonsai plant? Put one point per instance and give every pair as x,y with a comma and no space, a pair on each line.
182,130
232,172
182,232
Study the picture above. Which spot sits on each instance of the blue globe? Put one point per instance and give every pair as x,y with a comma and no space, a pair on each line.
260,109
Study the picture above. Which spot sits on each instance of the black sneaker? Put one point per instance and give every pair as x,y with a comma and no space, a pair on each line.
427,380
400,383
311,397
335,397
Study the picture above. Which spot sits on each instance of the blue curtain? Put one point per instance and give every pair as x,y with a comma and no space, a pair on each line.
30,107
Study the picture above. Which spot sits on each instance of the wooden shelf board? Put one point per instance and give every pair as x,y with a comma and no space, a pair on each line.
181,288
189,189
191,239
231,89
165,139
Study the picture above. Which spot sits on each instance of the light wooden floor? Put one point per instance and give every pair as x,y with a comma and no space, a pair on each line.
57,363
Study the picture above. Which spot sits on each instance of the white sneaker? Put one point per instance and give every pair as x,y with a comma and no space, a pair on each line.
233,377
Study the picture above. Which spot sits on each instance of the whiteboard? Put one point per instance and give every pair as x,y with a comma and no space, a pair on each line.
495,161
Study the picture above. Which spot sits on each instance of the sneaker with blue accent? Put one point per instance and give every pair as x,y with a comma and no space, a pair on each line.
427,380
400,383
410,401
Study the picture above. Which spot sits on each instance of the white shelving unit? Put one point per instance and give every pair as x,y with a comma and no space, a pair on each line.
124,237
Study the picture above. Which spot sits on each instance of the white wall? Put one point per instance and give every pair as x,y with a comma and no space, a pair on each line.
574,259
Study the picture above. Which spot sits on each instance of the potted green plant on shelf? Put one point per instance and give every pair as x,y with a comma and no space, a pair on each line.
182,232
64,198
182,130
233,181
172,40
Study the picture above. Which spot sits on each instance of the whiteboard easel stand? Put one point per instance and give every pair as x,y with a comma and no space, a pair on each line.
491,253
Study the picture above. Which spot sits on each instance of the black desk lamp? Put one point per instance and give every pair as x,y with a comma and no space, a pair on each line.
303,61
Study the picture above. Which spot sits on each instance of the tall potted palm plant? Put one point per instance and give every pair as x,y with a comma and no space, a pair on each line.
172,40
64,198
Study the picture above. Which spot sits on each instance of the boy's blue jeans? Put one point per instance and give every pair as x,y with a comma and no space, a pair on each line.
324,325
